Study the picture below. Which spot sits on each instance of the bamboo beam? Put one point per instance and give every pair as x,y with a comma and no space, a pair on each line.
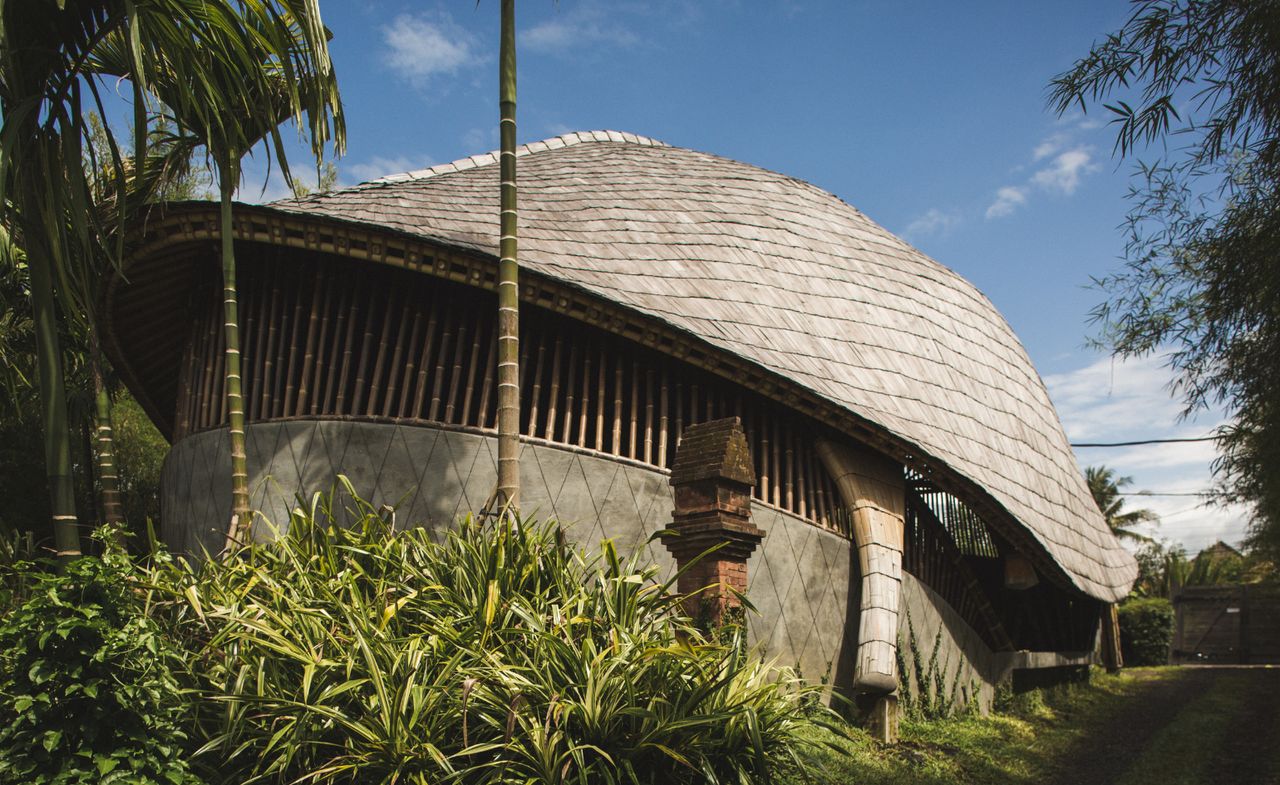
399,369
662,421
762,487
379,365
549,432
600,401
567,433
486,389
321,370
584,401
635,410
648,416
536,396
679,414
272,349
411,363
424,363
455,378
295,338
437,383
309,354
617,406
477,341
348,346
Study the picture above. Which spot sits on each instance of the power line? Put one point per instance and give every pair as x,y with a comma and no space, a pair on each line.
1176,493
1145,441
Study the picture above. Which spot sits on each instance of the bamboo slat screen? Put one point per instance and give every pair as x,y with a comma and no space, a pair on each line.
325,337
930,553
967,530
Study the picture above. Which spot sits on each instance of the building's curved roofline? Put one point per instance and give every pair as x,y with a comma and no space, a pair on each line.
788,278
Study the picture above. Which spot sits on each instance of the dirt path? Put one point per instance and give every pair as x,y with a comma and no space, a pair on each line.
1202,725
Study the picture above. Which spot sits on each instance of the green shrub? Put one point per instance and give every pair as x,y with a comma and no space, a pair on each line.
499,654
87,686
1146,630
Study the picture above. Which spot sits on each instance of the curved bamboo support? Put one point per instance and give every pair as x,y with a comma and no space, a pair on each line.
872,488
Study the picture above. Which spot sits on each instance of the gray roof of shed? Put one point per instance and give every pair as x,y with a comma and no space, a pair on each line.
779,272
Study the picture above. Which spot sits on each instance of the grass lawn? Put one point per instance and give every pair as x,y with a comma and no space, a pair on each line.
1173,726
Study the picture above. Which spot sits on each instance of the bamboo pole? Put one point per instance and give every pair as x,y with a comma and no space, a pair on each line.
295,338
231,348
472,367
535,398
366,349
309,353
662,421
379,365
348,346
398,371
567,432
424,363
269,353
600,400
508,491
320,369
246,356
648,416
584,401
617,406
549,432
437,384
763,485
679,414
455,377
632,449
411,365
791,471
259,330
486,389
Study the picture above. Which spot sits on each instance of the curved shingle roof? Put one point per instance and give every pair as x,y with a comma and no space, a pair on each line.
785,275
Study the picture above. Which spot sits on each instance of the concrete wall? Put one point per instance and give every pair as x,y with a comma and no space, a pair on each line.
803,580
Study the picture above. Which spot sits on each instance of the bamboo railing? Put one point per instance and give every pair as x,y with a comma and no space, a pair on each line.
329,339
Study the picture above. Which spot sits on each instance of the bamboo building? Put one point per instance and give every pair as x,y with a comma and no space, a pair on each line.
660,288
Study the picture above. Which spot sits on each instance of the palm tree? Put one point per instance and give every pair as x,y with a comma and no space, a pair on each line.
508,270
1106,489
227,57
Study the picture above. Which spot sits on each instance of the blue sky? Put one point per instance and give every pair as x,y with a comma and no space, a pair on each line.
928,117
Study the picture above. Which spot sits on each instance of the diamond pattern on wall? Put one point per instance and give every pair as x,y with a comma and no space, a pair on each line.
802,579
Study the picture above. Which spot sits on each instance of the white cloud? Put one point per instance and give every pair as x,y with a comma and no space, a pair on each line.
1064,173
1008,199
588,24
380,166
1049,146
420,47
1129,400
934,221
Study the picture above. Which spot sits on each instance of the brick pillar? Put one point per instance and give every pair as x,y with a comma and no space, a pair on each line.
712,478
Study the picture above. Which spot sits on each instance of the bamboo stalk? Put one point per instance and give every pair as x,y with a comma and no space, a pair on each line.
321,371
410,368
264,396
777,464
380,364
584,402
220,386
635,410
549,432
348,345
791,471
617,406
471,375
567,433
600,400
247,376
295,337
424,363
455,378
486,389
397,370
437,384
261,329
535,397
309,354
662,421
182,412
508,490
763,484
366,350
693,404
648,416
679,414
802,482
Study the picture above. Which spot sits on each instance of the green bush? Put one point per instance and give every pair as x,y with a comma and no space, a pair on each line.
499,654
87,686
1146,630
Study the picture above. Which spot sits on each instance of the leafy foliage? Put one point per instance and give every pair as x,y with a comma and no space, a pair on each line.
1106,489
1204,226
340,655
88,691
1146,630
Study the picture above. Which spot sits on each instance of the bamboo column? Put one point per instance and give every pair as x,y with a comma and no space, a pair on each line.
872,487
508,492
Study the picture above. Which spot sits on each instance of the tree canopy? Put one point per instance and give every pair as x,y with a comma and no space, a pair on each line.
1193,88
1107,490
